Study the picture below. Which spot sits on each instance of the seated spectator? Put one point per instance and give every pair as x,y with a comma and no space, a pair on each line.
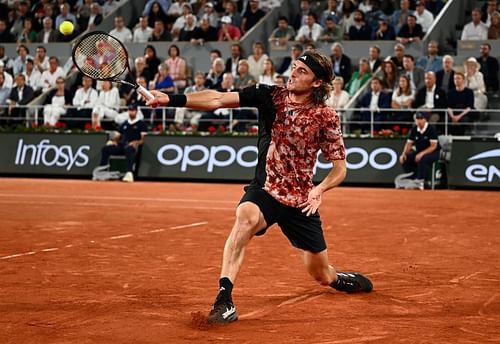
283,33
417,162
65,14
128,142
8,79
251,16
21,11
183,115
432,62
84,100
21,94
267,77
48,34
415,74
474,80
23,54
402,98
233,60
287,64
374,59
331,11
151,59
338,98
348,7
49,77
180,22
4,95
162,4
212,16
310,32
163,81
228,32
243,79
107,105
384,32
204,33
231,11
460,106
5,35
390,78
331,33
187,31
177,67
476,30
95,18
32,76
41,59
136,98
360,31
424,16
301,17
489,68
411,31
142,33
280,81
55,104
494,29
359,77
213,78
340,61
138,71
121,32
371,103
444,78
430,97
400,17
28,34
487,11
109,6
159,33
256,60
397,58
157,10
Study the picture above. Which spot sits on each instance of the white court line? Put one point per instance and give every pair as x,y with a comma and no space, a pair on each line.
121,236
190,225
49,249
18,255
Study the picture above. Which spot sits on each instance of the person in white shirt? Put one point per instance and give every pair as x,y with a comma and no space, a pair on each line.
142,32
269,74
474,80
107,105
256,60
32,76
180,22
49,77
4,94
8,79
476,30
338,98
424,17
84,100
310,32
41,59
121,32
55,104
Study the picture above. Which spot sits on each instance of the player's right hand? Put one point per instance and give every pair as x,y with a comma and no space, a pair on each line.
160,99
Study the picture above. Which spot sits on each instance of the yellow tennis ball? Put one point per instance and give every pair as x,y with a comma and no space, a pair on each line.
66,27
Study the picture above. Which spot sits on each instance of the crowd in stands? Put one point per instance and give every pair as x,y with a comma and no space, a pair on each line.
398,82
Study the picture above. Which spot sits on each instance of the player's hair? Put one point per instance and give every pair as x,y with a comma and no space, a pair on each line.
321,93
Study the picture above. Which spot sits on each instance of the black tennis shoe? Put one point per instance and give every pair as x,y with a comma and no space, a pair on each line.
223,311
352,282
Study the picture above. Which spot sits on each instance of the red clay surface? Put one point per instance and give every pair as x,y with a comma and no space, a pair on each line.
108,262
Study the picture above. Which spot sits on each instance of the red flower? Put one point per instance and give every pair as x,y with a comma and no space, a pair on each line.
59,124
34,125
404,131
211,129
222,129
88,126
254,129
396,128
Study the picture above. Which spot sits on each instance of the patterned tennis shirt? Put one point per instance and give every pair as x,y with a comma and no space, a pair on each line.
290,136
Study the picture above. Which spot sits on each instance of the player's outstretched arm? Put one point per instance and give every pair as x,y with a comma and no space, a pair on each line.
203,100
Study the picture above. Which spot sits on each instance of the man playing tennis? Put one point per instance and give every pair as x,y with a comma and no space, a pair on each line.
294,124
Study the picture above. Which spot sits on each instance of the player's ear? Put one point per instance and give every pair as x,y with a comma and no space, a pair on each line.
316,83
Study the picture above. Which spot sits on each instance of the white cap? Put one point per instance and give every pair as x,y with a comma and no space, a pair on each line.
226,19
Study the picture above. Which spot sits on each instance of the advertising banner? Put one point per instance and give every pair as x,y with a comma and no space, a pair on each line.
52,154
475,163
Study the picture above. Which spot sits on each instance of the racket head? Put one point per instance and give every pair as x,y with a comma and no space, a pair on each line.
100,56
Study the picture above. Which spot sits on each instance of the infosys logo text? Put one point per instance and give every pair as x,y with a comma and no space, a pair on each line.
480,173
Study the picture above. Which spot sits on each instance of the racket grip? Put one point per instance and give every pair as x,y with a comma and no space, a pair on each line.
144,92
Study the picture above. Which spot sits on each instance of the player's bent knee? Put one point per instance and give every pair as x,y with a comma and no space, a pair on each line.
248,216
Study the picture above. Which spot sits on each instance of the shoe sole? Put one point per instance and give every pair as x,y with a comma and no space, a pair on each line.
216,321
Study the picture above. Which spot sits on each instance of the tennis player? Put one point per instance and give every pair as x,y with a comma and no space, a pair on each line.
294,124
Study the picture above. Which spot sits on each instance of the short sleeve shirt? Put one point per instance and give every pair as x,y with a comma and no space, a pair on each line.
132,131
422,140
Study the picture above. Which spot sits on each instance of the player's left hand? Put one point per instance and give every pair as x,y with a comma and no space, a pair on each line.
313,202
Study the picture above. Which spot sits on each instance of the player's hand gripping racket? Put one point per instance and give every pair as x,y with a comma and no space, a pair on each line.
101,56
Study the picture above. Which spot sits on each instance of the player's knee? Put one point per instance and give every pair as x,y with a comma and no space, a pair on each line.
247,218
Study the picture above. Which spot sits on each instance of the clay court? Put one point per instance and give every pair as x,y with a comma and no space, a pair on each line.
108,262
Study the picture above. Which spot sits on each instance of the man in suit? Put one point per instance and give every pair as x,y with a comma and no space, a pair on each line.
233,60
341,62
444,78
48,34
374,58
22,94
431,97
372,102
415,74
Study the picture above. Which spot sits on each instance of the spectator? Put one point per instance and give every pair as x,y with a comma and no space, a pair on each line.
444,78
48,34
21,94
416,162
66,15
159,33
301,18
164,5
41,59
182,114
243,79
476,30
280,81
143,32
5,35
338,97
8,63
269,74
163,81
232,61
348,7
360,31
210,14
180,22
256,60
283,33
121,32
474,80
28,34
489,67
384,32
84,100
232,12
156,12
374,59
8,79
109,6
359,77
4,95
214,54
415,74
432,62
55,104
372,102
251,16
310,32
228,32
95,17
487,11
341,62
128,142
177,67
460,105
204,33
494,29
151,59
32,76
331,33
397,58
400,17
430,97
411,31
138,71
402,98
424,16
287,64
332,12
213,78
49,77
135,98
187,31
220,116
21,12
107,104
390,78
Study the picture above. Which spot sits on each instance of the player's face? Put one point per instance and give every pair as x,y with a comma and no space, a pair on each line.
301,79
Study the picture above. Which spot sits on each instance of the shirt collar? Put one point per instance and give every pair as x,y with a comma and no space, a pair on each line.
134,121
421,131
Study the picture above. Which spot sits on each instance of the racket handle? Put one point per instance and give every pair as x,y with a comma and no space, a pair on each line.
144,92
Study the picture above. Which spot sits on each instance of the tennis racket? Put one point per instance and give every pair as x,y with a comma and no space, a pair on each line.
101,56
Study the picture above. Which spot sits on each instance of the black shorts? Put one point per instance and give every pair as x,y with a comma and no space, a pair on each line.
302,231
